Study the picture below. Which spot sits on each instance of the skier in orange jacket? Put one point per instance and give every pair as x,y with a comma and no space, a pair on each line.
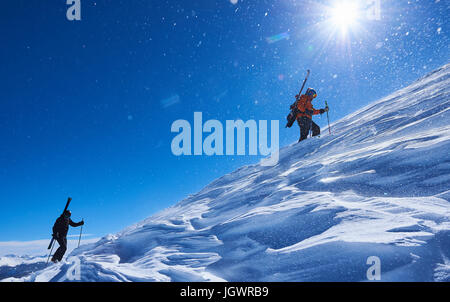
306,111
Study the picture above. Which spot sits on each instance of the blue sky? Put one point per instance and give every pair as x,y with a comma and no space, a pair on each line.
86,106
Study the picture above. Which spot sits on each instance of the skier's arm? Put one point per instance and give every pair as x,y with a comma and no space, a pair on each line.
56,228
73,224
320,111
55,232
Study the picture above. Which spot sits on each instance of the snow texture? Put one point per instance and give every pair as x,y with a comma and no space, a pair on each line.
378,186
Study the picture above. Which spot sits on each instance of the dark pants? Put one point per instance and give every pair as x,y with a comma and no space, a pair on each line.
59,254
306,124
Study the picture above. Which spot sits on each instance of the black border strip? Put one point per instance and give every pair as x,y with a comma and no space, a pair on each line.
274,290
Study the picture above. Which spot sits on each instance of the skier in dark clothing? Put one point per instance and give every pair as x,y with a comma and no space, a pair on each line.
60,229
305,111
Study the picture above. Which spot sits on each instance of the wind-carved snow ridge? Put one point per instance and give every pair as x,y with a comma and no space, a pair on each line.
378,186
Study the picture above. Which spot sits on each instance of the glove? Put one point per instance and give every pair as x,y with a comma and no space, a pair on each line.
82,222
55,235
324,110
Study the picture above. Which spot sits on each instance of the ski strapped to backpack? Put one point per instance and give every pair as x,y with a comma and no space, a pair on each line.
292,116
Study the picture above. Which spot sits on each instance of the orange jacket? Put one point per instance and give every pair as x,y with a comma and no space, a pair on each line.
305,107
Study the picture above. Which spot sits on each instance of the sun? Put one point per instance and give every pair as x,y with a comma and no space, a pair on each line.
344,15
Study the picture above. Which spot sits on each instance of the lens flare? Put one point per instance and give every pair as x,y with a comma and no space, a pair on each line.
344,15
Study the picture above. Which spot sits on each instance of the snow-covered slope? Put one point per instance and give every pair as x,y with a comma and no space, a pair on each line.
379,186
13,260
19,266
20,258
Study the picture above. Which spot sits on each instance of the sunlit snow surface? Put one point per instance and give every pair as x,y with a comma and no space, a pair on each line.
378,186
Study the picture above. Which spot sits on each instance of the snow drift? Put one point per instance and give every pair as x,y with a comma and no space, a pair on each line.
379,186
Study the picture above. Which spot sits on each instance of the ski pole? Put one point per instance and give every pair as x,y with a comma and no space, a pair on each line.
81,231
48,258
328,118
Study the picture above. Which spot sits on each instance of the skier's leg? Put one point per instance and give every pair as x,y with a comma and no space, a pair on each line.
55,255
315,129
59,254
304,124
64,248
